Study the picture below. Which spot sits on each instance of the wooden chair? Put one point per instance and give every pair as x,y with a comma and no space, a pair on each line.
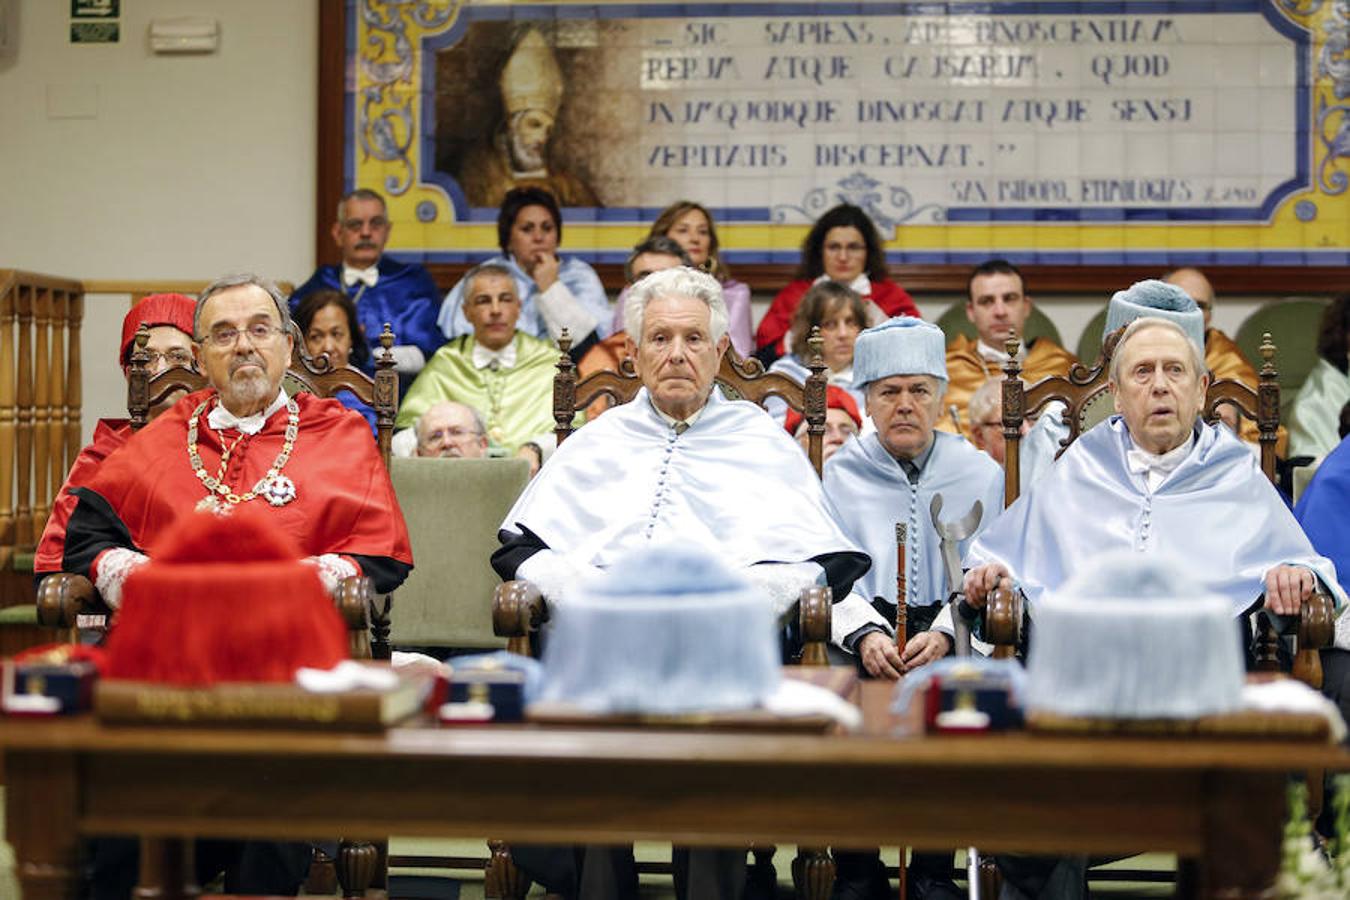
519,609
1082,392
64,598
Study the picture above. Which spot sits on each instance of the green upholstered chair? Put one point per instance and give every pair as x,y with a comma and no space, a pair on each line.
1293,325
953,321
453,508
1090,344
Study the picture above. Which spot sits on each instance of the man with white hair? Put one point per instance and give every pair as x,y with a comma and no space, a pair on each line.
678,462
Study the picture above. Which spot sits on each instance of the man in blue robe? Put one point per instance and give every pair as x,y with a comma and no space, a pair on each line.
886,477
383,289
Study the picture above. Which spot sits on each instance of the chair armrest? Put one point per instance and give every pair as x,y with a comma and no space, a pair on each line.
354,599
62,597
518,609
1003,621
815,605
1316,631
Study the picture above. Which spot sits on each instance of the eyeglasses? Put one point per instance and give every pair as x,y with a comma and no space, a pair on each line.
375,223
170,357
445,435
258,333
845,248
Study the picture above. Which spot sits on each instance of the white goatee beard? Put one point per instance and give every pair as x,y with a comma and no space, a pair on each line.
245,391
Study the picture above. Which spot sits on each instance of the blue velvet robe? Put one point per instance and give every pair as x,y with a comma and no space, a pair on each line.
1216,513
404,296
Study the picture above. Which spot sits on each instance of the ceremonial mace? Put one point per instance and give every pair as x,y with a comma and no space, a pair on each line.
901,589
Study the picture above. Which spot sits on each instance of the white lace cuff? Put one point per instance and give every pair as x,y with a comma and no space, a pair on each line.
332,569
554,574
561,310
783,582
408,358
852,613
112,567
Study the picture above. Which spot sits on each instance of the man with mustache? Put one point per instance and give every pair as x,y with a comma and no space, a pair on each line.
243,440
383,289
678,462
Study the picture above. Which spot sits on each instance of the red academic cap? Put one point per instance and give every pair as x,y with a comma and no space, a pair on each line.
156,309
224,598
835,398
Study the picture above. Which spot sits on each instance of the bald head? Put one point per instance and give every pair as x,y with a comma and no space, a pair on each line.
1194,283
451,429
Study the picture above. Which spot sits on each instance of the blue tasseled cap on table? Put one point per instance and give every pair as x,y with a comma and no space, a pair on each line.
903,345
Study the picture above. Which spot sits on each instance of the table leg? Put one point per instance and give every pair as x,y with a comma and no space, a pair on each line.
168,871
1243,814
40,809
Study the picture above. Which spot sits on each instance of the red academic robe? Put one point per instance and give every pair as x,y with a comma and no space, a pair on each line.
109,435
891,297
344,503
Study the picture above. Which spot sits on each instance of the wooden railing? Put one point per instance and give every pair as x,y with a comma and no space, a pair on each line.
40,398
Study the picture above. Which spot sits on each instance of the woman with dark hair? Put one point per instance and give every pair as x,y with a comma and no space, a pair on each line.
328,326
691,226
555,293
841,315
1316,413
842,246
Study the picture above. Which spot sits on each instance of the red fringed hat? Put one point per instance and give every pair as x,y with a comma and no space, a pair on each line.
835,398
224,598
156,309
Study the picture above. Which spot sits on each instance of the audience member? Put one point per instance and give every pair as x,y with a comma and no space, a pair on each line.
673,464
169,318
328,324
307,461
452,430
1317,408
840,314
498,369
383,290
842,246
1222,356
984,416
998,306
554,293
691,226
842,421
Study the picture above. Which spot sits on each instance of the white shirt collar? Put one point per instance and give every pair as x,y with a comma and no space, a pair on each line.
504,358
367,276
1156,467
221,419
673,422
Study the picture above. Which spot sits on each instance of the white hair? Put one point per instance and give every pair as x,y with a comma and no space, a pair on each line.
681,281
987,398
1146,322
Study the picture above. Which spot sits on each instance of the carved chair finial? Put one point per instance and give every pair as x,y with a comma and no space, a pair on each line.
1267,350
1012,345
565,342
387,338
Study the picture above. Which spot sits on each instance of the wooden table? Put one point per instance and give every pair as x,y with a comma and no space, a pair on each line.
1221,800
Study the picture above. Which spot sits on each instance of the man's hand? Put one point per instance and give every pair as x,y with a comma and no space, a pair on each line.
924,648
1287,587
544,270
980,580
880,657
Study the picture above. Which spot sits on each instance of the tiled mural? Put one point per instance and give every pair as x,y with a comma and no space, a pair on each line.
1062,132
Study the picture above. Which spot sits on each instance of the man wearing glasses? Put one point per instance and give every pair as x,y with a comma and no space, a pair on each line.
243,441
169,320
383,289
452,430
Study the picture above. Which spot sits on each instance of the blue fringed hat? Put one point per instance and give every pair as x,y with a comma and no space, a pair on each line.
903,345
1159,300
668,629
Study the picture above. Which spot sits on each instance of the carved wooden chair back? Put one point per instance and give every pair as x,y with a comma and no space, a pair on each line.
306,373
739,378
1086,397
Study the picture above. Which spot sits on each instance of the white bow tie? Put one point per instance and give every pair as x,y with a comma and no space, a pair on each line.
504,358
368,277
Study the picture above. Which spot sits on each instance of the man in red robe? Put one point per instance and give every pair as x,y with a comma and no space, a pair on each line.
308,462
169,318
